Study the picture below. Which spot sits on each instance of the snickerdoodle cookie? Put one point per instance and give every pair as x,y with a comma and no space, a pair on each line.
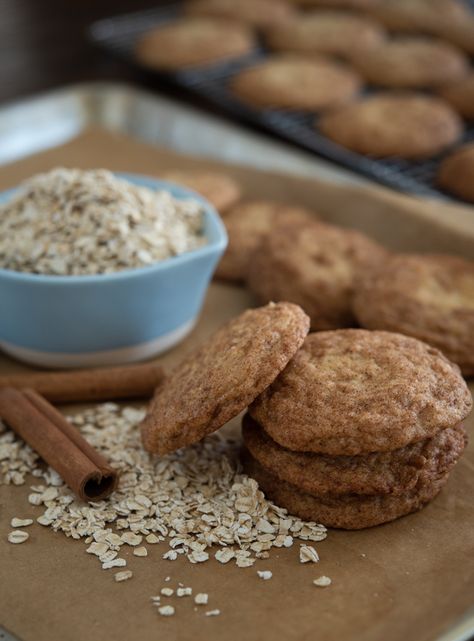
456,172
314,265
247,225
394,472
460,95
219,189
388,124
411,63
294,82
348,511
219,380
356,391
430,297
193,41
259,13
330,32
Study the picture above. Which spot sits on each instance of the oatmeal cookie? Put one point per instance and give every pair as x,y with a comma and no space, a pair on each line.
247,224
422,16
412,62
259,13
314,265
406,125
429,296
456,172
220,190
356,391
348,512
220,379
193,41
293,82
329,32
460,95
395,472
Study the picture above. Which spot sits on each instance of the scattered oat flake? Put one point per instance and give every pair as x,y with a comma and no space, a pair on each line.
131,539
141,551
265,574
308,554
166,610
322,581
16,522
114,563
184,592
224,555
245,563
168,578
167,591
123,576
152,538
18,536
201,598
213,613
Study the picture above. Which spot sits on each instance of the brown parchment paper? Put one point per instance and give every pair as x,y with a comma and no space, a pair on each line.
411,579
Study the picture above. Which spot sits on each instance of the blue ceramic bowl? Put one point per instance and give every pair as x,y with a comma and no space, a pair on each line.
85,321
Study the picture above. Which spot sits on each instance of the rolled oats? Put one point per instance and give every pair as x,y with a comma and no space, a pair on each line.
167,591
322,581
265,574
308,554
201,598
213,613
166,610
141,551
18,536
123,576
16,522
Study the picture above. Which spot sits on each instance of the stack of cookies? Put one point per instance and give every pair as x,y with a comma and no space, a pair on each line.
360,428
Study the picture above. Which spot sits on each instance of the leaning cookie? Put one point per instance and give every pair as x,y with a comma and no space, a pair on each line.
247,225
419,16
289,81
314,265
460,95
412,63
219,189
394,472
348,512
406,125
218,380
258,13
193,41
429,296
456,173
355,391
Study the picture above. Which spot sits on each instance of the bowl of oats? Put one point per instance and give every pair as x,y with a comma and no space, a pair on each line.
99,268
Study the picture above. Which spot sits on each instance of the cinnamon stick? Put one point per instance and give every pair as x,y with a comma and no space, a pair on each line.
103,384
59,443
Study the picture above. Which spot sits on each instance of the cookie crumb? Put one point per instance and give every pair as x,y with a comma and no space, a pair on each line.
265,574
123,576
308,554
201,598
166,610
322,581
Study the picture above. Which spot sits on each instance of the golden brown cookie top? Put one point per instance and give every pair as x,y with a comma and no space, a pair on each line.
193,41
352,391
456,172
314,265
220,379
332,32
407,125
460,95
429,296
412,62
218,188
259,13
425,16
296,82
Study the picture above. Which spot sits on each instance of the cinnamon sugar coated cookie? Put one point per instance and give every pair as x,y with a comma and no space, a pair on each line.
331,32
293,82
411,63
221,378
456,172
430,297
394,472
193,41
314,265
247,224
349,511
389,124
460,95
259,13
220,190
355,391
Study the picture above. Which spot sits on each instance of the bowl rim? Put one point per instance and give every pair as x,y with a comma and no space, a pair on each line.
179,192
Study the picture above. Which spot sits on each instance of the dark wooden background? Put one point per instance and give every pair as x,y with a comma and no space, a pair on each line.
42,44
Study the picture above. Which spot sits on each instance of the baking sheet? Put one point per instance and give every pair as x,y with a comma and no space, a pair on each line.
412,579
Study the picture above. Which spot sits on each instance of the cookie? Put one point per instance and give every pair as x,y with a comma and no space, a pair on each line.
456,173
423,16
220,190
411,63
430,297
348,512
460,95
335,4
220,379
259,13
394,472
460,33
356,391
291,82
314,265
193,41
405,125
247,224
329,32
